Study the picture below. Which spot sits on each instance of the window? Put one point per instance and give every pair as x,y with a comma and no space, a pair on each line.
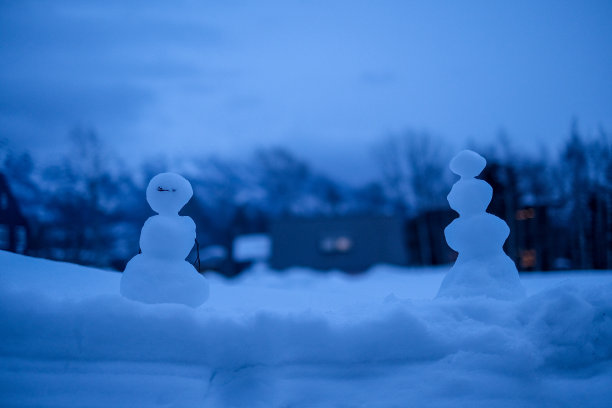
525,214
528,258
337,244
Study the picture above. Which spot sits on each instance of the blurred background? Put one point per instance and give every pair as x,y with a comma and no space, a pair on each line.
314,133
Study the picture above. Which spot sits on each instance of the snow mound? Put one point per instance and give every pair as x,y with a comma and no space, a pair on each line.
313,347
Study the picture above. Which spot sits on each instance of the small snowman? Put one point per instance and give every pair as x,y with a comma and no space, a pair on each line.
160,273
482,267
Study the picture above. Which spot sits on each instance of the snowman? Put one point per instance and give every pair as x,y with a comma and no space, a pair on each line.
160,273
482,267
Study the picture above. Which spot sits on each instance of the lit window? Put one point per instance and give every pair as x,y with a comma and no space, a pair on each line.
343,244
525,214
336,244
528,258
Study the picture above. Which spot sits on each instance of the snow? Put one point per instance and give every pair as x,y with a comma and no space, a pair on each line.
467,164
482,268
160,273
251,247
302,338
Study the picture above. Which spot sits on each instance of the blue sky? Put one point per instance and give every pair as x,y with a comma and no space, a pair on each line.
325,79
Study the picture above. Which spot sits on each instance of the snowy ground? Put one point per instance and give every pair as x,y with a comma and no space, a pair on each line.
302,339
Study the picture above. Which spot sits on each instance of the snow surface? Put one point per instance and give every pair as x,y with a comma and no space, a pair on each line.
302,338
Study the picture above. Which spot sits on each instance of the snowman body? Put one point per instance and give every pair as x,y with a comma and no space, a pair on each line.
482,267
160,273
168,236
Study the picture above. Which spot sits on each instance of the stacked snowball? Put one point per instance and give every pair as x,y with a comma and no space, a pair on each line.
482,267
160,273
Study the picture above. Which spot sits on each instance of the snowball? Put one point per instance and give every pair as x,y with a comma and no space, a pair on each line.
487,234
467,164
470,196
153,280
167,193
168,237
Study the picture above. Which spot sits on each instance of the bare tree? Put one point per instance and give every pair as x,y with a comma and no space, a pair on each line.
586,168
574,161
81,194
415,175
599,155
414,170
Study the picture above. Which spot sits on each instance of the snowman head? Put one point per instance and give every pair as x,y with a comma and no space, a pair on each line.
467,164
167,193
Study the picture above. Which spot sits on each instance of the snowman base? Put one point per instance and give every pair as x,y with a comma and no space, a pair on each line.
492,276
153,280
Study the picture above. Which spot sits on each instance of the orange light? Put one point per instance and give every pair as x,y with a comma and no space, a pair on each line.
528,258
343,244
525,214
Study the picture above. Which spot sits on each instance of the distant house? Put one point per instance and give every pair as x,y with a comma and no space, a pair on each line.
351,244
14,232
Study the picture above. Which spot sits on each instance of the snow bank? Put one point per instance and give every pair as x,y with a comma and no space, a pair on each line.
332,348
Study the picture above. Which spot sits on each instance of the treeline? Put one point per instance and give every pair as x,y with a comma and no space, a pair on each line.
88,207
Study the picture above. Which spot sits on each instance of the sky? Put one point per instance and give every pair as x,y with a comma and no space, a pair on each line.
326,79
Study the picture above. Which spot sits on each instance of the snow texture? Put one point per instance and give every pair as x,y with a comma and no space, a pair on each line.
302,338
160,273
482,268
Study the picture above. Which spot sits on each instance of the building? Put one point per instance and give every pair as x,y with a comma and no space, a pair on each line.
351,244
425,238
14,231
534,239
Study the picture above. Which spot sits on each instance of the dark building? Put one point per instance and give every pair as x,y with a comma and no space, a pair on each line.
600,207
425,238
14,231
550,234
534,238
351,244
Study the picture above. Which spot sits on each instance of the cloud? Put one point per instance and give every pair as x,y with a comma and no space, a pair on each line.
225,77
102,63
66,103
